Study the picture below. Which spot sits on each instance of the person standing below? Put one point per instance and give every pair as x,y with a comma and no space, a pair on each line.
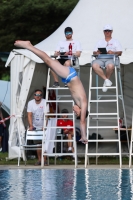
36,109
67,131
63,48
113,47
2,126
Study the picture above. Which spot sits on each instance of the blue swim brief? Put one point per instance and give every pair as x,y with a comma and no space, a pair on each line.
72,74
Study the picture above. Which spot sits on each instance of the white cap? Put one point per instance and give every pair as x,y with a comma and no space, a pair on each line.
107,27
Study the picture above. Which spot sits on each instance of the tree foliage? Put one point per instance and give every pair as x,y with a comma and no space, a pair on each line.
31,19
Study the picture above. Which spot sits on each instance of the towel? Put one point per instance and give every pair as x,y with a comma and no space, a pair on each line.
50,134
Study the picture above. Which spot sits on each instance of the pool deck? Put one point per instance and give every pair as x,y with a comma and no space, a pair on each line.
5,167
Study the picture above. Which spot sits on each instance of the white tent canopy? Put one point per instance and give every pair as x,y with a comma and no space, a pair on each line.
87,20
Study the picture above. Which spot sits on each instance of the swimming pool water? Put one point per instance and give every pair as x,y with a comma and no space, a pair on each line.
66,184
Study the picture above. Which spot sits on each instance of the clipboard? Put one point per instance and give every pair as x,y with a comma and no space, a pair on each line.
63,57
103,50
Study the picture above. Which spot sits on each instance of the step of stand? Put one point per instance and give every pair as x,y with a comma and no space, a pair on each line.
103,154
58,88
60,96
113,100
114,87
103,114
102,140
59,101
59,140
58,114
98,127
59,154
105,95
98,118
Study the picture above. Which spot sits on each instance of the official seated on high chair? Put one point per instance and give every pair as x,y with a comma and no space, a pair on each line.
113,47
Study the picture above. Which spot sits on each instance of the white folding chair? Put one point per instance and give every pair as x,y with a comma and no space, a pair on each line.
30,135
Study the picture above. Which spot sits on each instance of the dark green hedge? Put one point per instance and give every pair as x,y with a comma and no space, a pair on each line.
31,19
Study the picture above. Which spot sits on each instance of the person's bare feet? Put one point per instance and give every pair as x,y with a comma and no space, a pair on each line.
83,140
23,44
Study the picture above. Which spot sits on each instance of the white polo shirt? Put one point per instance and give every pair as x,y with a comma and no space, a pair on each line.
63,46
38,111
112,45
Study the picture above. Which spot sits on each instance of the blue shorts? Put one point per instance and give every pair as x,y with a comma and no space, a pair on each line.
72,74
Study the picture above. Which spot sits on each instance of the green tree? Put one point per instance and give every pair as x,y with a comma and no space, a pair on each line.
31,19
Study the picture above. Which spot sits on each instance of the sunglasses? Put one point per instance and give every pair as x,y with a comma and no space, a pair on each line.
107,30
38,95
68,33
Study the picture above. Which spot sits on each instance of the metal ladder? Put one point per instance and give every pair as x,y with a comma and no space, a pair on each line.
72,115
99,116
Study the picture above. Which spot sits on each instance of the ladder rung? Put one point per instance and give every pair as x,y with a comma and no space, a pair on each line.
57,114
103,117
104,95
95,127
103,140
64,101
104,154
58,141
59,88
59,154
114,87
59,96
113,100
103,113
68,127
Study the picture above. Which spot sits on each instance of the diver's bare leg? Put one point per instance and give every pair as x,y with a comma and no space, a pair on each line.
59,69
83,123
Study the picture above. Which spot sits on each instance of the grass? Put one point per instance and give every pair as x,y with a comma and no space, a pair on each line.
66,160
